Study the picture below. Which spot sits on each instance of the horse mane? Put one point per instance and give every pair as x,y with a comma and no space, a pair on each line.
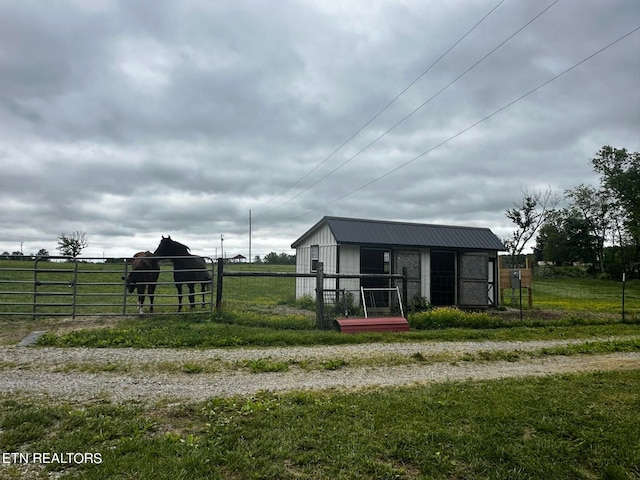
177,245
182,246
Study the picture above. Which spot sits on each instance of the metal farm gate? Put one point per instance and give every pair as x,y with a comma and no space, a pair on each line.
89,286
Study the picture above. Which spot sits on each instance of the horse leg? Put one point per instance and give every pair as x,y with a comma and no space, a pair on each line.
140,298
151,289
203,288
192,295
179,288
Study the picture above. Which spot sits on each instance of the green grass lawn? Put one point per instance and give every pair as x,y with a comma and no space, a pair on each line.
586,295
242,330
560,427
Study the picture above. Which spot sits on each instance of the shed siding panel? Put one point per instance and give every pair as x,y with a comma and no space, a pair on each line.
304,286
349,259
327,254
350,264
425,286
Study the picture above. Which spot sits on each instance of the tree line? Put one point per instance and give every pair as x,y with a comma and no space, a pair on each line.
598,227
68,246
73,244
274,258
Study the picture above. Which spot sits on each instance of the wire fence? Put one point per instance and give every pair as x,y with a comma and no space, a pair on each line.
59,286
586,295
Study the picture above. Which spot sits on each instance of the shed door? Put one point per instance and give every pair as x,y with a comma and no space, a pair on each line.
443,277
410,260
474,279
376,261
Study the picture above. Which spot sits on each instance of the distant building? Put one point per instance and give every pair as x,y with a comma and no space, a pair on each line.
238,259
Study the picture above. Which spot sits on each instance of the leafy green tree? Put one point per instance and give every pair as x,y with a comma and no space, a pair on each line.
549,244
595,207
565,239
274,258
620,179
579,242
72,245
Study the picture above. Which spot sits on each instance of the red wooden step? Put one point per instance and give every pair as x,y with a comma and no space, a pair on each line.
372,324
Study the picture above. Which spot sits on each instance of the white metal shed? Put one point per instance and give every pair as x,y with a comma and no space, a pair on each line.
446,265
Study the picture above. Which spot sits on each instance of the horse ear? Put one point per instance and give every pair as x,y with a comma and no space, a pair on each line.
162,237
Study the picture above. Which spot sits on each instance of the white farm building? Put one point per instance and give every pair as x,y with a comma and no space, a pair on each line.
446,265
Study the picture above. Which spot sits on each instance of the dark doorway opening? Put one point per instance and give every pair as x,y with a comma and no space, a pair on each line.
443,278
376,261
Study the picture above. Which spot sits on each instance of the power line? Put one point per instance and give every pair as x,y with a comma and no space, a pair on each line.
405,118
501,109
377,114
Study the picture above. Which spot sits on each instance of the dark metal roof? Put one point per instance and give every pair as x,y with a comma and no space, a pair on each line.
378,232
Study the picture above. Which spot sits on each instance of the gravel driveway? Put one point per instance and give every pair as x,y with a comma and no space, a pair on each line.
54,371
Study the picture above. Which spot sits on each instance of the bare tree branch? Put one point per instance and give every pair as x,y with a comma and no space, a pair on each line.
529,215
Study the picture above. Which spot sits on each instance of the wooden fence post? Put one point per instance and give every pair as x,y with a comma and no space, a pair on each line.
219,284
320,296
405,291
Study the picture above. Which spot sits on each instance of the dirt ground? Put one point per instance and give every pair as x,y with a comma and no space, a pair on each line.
12,331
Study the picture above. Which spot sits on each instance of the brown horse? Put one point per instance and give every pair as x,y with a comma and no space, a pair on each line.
144,274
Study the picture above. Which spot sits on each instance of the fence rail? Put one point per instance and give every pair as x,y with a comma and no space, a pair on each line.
86,286
335,297
63,286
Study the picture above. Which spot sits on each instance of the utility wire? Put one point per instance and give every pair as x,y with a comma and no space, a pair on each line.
379,113
501,109
397,124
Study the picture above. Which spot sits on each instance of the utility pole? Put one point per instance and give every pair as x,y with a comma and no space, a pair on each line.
249,236
221,247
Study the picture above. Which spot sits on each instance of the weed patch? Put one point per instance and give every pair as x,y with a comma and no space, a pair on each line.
264,365
451,317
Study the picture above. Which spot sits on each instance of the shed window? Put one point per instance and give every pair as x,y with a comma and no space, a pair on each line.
315,256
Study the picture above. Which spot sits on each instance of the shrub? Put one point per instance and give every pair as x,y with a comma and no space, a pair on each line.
307,302
449,317
419,304
565,271
346,306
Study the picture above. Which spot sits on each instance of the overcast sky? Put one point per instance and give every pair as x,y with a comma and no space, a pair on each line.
135,119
